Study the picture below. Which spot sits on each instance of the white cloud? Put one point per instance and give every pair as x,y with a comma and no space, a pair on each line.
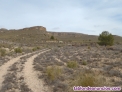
85,16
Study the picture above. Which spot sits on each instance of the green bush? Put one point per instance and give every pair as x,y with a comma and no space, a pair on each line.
18,50
53,72
106,38
2,52
52,37
72,64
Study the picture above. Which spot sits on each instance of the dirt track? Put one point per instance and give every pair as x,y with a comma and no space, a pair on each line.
30,76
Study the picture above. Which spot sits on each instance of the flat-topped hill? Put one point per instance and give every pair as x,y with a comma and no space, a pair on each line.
38,34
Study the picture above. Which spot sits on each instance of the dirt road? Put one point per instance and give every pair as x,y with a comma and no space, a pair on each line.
30,76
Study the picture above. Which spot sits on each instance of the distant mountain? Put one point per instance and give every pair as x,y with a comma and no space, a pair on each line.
80,36
38,34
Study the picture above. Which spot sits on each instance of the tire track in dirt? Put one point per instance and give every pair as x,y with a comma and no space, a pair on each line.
5,67
31,76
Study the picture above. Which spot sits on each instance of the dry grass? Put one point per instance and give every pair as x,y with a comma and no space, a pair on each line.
53,72
2,52
97,72
18,50
84,63
89,47
86,78
72,64
36,48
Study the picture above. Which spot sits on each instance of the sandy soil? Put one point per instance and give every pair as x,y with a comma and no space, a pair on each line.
60,61
5,67
31,76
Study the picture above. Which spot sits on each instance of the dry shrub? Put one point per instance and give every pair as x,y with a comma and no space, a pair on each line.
53,72
89,47
2,52
72,64
36,48
84,63
88,78
18,50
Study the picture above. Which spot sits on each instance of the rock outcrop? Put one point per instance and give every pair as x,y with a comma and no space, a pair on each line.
41,28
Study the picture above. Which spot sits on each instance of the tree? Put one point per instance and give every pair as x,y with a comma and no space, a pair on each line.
106,38
52,37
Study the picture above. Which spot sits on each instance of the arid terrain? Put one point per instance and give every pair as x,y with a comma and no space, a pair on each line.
32,62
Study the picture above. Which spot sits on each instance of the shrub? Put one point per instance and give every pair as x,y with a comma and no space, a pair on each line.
2,52
52,37
53,72
106,38
84,63
89,47
35,48
18,50
85,79
38,47
72,64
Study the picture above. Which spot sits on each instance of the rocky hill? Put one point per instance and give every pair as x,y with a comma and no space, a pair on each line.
39,34
30,35
41,28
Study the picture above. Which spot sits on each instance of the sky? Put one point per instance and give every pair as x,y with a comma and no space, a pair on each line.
81,16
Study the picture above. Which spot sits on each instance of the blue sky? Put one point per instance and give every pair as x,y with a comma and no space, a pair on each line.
82,16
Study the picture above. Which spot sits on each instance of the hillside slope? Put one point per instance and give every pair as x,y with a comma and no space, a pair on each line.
32,35
39,34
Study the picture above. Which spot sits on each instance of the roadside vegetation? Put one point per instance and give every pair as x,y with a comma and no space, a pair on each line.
2,52
18,50
53,72
72,64
35,48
